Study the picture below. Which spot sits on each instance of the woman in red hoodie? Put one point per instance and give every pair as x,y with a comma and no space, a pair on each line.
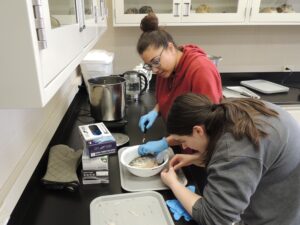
179,70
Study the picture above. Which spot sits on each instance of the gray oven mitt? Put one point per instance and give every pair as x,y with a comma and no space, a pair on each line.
61,169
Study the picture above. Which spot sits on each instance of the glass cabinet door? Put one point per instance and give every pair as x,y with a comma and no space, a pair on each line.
220,11
62,34
177,12
47,37
275,11
88,9
211,12
89,24
62,13
100,11
131,12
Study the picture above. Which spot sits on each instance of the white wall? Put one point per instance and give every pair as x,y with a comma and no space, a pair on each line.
243,48
24,136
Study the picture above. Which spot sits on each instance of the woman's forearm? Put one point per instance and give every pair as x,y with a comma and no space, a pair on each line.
185,196
156,108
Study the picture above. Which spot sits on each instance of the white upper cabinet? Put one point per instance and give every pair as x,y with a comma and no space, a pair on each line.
208,12
43,42
275,12
130,12
218,11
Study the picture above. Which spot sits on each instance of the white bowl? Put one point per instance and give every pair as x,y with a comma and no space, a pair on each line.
130,154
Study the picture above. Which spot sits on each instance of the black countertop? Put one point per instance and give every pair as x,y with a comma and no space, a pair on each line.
40,206
291,80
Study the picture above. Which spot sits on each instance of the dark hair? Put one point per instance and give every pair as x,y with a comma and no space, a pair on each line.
237,116
152,34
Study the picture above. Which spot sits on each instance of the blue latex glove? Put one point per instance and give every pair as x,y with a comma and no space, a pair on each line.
177,209
148,119
153,147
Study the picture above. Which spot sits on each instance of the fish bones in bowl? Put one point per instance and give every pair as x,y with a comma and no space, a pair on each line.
141,166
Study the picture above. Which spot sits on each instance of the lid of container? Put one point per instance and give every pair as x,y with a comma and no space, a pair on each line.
99,56
146,207
108,80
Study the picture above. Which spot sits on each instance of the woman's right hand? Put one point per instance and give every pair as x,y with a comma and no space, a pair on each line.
169,177
147,120
153,147
182,160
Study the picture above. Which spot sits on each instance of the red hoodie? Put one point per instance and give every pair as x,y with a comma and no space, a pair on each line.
195,73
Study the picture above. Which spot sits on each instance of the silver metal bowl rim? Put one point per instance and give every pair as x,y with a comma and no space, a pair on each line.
117,80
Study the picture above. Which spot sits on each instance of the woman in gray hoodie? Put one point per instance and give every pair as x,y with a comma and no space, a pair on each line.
251,152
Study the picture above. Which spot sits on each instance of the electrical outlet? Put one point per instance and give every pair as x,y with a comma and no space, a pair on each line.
288,68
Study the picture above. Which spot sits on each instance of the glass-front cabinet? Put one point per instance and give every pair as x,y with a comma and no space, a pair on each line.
70,25
61,31
218,11
207,12
130,12
179,12
275,11
44,41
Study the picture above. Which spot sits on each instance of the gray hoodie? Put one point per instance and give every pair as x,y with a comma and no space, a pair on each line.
254,186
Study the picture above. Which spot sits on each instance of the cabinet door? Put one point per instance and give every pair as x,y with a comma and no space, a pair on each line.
275,11
181,12
100,12
90,20
216,11
131,12
43,43
62,35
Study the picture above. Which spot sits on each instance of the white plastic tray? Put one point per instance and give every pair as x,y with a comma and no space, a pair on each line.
243,91
264,86
137,208
130,182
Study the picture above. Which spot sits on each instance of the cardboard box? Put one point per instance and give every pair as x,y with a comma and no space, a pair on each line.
96,163
97,139
95,177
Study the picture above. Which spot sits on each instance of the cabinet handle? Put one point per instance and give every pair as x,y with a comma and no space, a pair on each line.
176,9
95,8
81,28
83,15
186,9
80,15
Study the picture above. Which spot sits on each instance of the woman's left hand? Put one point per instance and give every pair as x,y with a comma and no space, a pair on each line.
169,176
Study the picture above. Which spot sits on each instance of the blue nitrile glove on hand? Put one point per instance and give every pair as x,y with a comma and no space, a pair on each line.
177,209
153,147
147,118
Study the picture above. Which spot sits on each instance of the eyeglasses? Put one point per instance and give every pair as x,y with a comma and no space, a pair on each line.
154,63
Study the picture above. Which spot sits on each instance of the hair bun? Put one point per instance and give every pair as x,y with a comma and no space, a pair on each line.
149,23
